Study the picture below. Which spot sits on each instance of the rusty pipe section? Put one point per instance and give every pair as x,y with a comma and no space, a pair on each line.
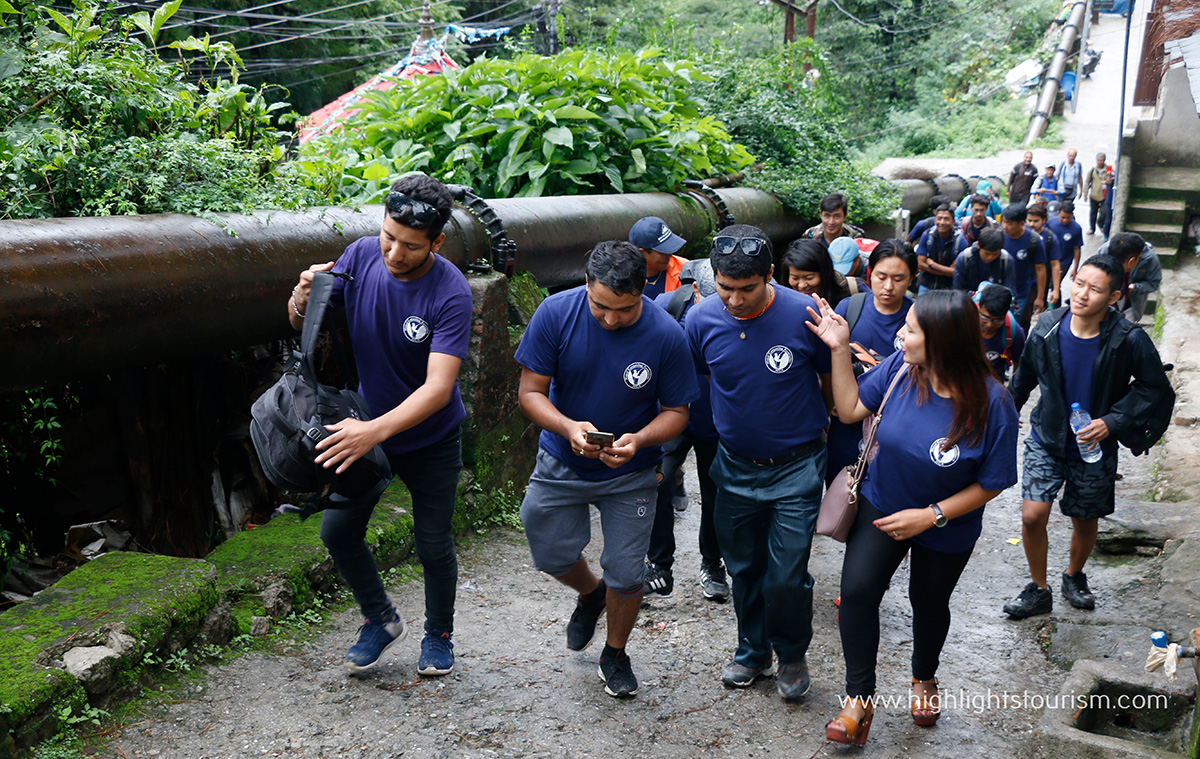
83,296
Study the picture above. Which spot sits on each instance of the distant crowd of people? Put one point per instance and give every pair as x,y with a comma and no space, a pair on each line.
770,382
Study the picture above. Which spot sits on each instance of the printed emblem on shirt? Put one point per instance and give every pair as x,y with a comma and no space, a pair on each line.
416,330
940,457
992,355
637,375
1022,253
643,505
779,359
1067,237
897,343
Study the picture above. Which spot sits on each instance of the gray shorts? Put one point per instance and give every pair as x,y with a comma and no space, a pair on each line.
1090,488
558,523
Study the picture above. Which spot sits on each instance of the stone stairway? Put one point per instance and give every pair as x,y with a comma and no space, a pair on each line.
1160,202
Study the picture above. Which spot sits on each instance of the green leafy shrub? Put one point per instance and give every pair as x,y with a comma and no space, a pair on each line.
96,123
577,123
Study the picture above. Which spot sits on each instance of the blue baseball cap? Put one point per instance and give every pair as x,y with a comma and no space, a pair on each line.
842,252
652,233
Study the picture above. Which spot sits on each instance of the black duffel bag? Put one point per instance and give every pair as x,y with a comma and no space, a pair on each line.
288,420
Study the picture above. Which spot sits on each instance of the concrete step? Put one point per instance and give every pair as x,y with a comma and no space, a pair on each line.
1165,238
1165,183
1171,212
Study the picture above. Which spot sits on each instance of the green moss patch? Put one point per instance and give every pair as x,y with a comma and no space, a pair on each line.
149,596
524,296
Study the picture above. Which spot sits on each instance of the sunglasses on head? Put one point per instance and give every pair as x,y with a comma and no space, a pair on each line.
750,246
422,212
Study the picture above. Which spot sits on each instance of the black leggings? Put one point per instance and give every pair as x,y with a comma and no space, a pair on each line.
872,557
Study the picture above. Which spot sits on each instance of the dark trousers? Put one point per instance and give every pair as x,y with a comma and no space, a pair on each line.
871,559
431,476
662,537
1095,213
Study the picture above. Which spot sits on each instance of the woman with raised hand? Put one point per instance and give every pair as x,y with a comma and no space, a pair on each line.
947,445
875,319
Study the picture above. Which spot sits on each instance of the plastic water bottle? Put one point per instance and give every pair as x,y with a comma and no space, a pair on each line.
1080,419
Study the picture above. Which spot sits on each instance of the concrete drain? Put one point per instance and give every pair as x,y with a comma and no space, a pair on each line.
1105,710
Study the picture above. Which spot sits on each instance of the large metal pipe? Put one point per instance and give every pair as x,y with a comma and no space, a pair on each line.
915,194
1058,64
81,296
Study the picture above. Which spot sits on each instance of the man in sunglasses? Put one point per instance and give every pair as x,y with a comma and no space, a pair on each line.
753,344
409,315
608,378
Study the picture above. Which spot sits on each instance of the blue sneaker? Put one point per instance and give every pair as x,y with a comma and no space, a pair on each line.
437,655
374,637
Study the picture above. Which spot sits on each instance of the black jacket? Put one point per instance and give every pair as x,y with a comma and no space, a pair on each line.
1130,390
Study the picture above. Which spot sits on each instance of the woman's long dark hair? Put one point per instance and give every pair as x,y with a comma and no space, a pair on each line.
810,255
954,352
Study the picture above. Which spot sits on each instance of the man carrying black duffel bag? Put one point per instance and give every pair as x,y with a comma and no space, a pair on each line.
409,316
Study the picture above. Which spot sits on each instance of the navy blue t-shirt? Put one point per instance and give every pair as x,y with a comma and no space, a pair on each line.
1078,366
912,471
1051,245
1070,237
918,229
970,270
700,419
394,326
941,250
1000,348
615,379
1025,251
878,332
766,394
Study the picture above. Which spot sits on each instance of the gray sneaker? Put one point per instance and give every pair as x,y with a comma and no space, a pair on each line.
793,681
713,584
740,676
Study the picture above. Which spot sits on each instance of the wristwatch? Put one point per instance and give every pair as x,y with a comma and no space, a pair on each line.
939,519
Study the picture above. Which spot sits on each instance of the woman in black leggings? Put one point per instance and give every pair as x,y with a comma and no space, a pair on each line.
947,445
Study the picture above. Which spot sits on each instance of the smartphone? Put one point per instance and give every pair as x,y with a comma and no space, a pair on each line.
599,438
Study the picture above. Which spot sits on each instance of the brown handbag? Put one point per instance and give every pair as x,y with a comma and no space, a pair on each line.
840,504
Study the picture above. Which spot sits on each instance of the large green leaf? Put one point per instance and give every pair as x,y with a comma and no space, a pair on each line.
560,136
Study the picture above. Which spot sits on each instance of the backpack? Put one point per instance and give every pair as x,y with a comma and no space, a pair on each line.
288,420
972,255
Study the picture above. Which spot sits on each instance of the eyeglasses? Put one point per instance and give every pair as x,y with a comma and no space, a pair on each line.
422,212
996,320
751,246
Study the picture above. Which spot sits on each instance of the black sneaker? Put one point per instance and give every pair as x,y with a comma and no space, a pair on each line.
713,584
1075,590
660,583
792,680
1032,601
582,627
617,674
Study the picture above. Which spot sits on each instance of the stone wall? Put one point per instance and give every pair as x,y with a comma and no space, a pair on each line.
1173,137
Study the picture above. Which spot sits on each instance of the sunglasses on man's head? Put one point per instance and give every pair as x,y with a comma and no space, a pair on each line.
422,212
750,246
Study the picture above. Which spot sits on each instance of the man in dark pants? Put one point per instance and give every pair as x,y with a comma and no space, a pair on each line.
1028,255
1085,354
1021,179
601,358
753,344
700,435
409,314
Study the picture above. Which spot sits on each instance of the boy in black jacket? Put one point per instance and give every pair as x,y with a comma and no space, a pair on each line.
1090,355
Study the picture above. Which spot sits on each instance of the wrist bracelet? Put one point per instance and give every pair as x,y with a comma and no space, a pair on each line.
295,308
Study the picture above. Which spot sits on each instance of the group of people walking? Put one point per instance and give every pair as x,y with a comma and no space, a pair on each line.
770,384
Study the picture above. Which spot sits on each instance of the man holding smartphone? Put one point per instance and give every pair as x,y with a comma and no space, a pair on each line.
595,359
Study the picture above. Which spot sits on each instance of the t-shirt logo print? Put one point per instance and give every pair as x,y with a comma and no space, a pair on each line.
943,458
1022,253
779,359
416,330
637,375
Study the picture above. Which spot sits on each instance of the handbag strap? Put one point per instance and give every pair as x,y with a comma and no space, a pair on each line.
860,468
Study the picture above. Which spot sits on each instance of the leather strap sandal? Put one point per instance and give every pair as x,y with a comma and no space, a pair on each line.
926,708
846,729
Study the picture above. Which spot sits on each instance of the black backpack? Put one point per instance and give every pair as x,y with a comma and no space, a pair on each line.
288,420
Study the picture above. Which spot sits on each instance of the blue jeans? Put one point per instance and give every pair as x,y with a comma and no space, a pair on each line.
765,517
431,476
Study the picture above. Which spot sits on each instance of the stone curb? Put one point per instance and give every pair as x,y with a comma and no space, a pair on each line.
91,637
